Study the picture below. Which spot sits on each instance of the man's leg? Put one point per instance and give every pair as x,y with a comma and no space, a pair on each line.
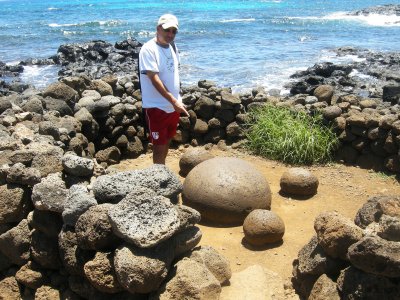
160,153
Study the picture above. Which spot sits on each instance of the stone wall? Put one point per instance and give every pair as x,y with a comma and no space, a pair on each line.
103,118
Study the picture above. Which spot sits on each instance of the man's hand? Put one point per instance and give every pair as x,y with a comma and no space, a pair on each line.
180,107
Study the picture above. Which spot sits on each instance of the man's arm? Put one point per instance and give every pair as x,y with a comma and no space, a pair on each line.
160,87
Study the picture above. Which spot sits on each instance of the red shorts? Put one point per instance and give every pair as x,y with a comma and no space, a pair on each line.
162,125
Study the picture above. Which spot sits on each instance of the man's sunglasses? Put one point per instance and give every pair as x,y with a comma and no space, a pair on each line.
171,30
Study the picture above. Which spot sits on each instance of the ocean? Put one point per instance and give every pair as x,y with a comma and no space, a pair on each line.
236,43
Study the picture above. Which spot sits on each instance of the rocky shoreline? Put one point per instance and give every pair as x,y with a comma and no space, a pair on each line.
57,144
360,99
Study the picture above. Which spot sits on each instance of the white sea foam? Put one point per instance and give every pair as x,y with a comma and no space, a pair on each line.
238,20
91,23
304,38
331,56
355,73
277,78
370,19
61,25
66,32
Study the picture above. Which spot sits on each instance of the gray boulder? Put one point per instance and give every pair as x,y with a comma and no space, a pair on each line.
59,105
93,229
144,218
229,99
77,166
184,241
61,91
49,223
100,273
15,243
356,284
324,93
112,188
214,261
110,155
376,256
4,104
15,203
224,190
20,174
9,288
48,160
44,250
31,275
324,288
142,270
187,216
78,201
47,292
50,194
332,112
34,104
190,280
375,207
336,233
312,260
73,258
49,128
389,228
204,108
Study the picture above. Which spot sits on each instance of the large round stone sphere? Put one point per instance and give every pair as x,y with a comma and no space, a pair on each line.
263,227
225,189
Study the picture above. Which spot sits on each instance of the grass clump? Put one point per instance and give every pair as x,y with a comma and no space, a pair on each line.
293,137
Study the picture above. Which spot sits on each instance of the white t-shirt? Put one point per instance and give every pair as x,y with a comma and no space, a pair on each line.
165,62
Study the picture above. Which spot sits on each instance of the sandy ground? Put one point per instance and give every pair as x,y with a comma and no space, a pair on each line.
341,188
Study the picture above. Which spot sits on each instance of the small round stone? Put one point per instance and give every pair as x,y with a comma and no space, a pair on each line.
299,181
263,227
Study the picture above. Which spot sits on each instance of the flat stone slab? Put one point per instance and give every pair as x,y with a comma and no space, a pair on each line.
112,188
144,218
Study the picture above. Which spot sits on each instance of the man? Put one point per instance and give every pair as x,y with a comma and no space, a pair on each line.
160,85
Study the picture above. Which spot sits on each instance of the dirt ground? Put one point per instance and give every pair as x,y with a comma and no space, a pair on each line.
341,188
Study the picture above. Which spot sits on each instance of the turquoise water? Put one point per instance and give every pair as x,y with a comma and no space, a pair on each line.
235,43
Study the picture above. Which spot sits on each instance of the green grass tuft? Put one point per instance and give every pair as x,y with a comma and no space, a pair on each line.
293,137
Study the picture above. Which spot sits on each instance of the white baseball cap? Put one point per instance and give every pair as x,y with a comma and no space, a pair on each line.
168,21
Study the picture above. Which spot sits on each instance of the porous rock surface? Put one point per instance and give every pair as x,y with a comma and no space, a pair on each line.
94,230
336,233
225,189
191,280
214,261
144,219
112,188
